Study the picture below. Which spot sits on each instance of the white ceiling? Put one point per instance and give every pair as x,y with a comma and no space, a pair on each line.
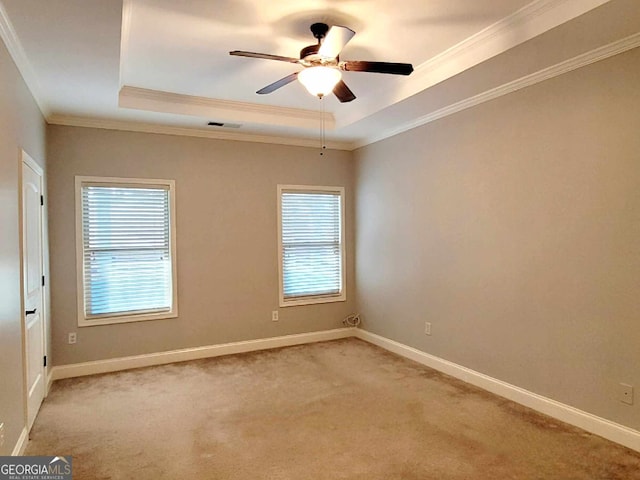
154,64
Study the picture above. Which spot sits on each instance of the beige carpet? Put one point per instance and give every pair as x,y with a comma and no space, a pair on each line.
334,410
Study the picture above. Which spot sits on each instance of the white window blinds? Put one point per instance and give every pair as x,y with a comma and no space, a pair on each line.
311,243
126,249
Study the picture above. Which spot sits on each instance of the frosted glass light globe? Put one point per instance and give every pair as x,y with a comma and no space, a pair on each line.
319,81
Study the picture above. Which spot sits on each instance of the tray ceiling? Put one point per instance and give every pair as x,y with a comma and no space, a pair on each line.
165,63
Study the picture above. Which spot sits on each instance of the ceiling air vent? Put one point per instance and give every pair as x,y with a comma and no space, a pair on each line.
225,125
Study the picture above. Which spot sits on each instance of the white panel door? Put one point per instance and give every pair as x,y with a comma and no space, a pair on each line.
32,239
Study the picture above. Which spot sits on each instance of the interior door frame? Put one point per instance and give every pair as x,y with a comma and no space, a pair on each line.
26,160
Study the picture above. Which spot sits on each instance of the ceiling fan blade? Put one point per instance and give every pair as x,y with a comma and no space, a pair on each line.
266,56
343,92
377,67
334,42
276,85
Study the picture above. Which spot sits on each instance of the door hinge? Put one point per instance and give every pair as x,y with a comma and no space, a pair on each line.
41,200
43,280
45,360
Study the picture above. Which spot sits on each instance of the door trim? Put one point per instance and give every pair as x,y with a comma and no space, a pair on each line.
26,160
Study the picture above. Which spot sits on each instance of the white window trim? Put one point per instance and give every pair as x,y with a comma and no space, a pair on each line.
113,319
342,296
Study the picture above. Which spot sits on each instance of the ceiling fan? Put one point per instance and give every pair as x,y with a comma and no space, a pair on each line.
322,65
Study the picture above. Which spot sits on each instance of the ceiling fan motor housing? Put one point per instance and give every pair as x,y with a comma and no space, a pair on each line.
308,51
319,31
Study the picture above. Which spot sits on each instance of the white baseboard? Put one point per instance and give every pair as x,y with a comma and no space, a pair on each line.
161,358
49,376
565,413
21,444
591,423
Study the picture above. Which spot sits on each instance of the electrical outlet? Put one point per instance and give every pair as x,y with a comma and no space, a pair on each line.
625,393
427,328
72,338
274,316
1,434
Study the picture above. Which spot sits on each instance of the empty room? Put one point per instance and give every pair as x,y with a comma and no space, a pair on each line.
319,239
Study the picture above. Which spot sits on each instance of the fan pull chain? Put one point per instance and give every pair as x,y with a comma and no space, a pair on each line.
323,146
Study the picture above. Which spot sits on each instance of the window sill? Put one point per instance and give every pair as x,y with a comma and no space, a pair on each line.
84,322
312,300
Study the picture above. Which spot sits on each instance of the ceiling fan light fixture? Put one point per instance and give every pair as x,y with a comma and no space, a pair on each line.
322,73
319,81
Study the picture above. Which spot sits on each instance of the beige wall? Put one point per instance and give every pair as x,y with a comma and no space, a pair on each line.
226,237
21,127
514,227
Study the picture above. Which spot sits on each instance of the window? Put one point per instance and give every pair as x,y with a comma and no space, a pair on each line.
311,244
125,235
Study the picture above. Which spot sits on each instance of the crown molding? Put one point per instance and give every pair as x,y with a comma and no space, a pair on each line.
529,22
74,121
558,69
221,110
561,68
10,39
